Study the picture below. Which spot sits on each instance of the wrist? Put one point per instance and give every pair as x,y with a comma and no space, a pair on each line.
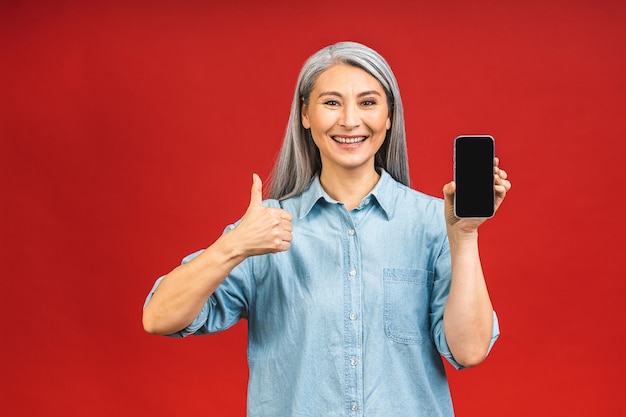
229,249
460,236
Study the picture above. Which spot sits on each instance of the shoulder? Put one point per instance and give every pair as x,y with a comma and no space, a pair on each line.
391,192
300,204
418,196
407,197
415,206
288,204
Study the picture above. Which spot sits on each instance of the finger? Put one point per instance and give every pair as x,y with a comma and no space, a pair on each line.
286,236
449,189
285,215
284,246
502,186
256,192
286,226
501,180
282,242
280,214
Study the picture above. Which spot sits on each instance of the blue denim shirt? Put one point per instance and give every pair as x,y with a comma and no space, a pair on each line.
349,320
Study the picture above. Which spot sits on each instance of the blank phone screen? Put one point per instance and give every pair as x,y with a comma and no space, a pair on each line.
473,174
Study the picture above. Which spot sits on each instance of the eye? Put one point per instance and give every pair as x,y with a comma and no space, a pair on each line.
331,103
368,103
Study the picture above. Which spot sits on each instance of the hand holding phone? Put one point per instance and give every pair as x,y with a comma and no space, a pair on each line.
474,176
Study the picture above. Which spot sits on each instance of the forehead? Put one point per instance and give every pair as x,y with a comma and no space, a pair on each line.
346,78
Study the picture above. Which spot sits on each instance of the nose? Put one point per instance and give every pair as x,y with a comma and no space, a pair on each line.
350,118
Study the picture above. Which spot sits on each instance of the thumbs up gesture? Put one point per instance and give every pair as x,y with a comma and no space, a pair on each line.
263,229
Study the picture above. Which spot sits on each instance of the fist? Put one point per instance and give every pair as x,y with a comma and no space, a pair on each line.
263,229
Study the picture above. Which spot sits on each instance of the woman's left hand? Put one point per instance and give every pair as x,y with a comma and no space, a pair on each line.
501,187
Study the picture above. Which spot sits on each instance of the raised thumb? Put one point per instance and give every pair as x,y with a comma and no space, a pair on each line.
256,192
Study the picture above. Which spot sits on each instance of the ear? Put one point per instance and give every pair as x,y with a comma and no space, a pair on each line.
388,124
305,116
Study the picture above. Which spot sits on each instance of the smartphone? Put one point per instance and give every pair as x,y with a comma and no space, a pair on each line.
473,175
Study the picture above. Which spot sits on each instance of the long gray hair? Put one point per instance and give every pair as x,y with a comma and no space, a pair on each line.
299,159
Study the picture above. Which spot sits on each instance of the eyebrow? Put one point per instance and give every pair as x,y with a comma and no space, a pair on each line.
364,93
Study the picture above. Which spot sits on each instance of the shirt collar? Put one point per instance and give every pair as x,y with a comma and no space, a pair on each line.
383,193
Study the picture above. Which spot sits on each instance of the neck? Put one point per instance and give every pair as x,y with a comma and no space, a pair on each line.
349,187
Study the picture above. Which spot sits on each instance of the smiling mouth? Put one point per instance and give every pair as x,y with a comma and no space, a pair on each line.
340,139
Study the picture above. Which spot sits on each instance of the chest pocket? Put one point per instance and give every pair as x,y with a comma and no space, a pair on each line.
407,304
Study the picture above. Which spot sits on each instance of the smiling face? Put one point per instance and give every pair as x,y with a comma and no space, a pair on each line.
348,116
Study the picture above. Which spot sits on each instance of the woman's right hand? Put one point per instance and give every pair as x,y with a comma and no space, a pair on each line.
262,229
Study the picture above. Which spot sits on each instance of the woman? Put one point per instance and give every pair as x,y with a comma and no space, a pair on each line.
353,284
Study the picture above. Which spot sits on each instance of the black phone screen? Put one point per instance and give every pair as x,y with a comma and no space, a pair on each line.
473,174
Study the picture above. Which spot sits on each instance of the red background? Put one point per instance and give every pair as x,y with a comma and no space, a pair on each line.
129,133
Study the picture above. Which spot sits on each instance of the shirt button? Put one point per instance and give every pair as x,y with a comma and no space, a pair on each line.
353,362
354,407
352,272
351,232
352,316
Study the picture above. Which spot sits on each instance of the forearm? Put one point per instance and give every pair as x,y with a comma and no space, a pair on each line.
468,314
183,292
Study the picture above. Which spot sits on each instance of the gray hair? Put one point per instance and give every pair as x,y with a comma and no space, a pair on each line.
299,159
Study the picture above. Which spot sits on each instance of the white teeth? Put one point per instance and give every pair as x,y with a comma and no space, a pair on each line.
348,140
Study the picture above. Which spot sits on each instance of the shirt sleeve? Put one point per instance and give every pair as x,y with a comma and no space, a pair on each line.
441,289
226,306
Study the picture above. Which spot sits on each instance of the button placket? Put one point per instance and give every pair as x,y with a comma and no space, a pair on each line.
352,308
